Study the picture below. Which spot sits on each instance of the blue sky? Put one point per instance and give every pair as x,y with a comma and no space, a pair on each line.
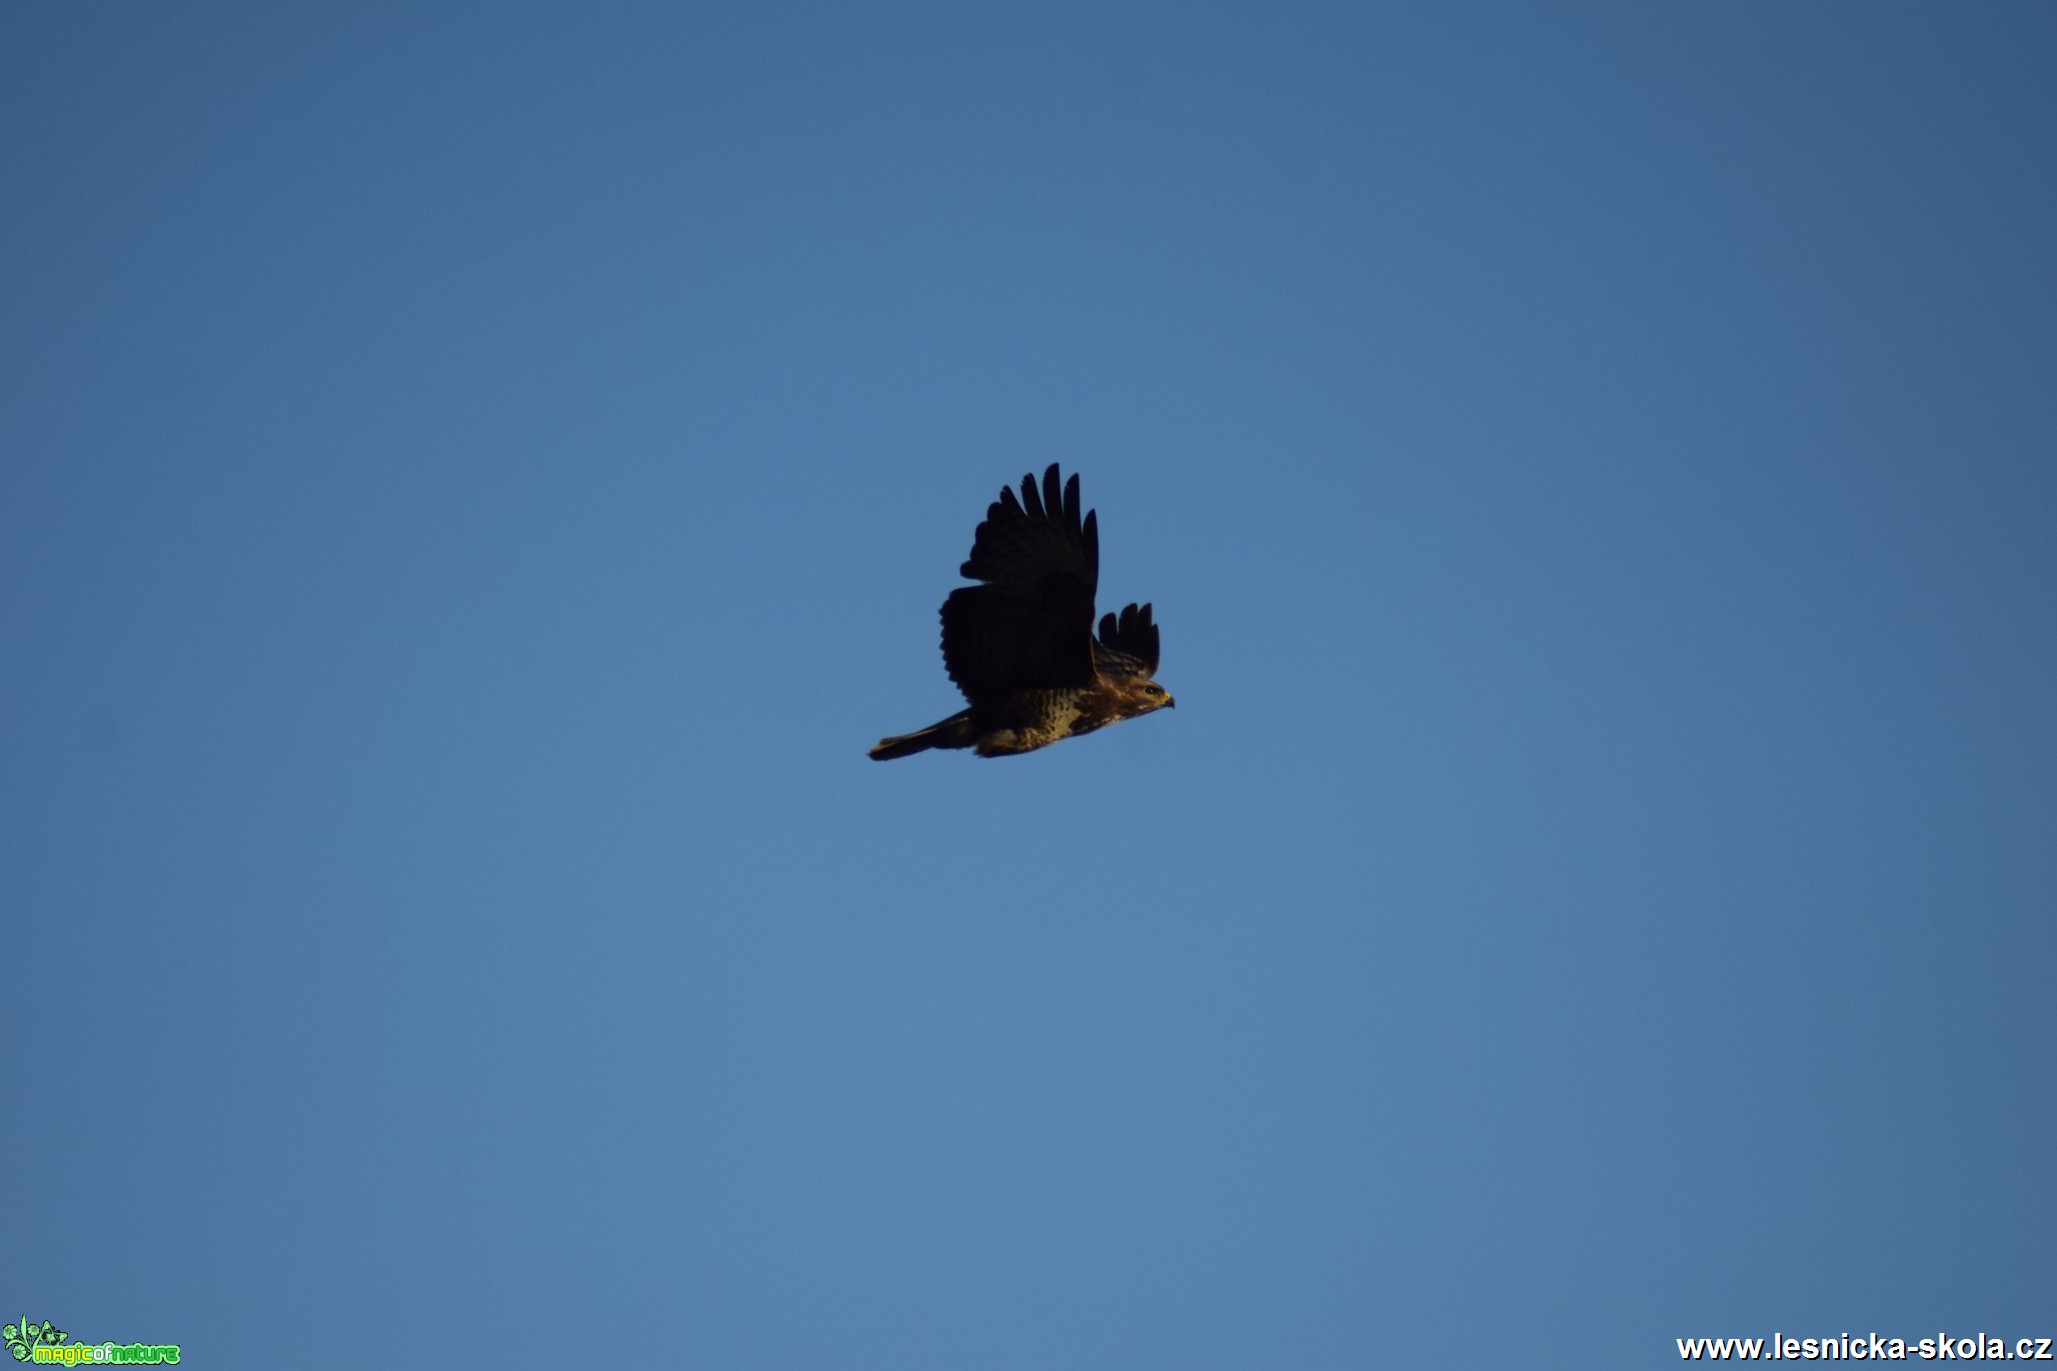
478,478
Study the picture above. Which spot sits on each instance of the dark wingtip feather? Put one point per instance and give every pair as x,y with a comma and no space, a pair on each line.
1031,498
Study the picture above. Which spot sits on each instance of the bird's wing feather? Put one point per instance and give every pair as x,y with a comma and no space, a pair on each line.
1030,626
1022,541
997,643
1128,643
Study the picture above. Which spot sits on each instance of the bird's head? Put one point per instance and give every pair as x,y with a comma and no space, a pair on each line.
1144,696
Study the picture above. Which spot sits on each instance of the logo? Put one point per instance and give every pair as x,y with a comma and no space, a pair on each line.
47,1344
23,1337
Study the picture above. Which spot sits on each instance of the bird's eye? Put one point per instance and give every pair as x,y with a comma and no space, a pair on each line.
1155,690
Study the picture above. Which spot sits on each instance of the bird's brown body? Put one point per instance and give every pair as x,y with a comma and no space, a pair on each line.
1021,646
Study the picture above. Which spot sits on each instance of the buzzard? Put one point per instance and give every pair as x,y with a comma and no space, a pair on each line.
1020,645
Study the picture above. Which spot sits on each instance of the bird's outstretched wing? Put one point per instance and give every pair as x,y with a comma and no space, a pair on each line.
1128,643
1030,625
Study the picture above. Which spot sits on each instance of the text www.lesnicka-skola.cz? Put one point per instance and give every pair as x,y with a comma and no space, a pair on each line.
1858,1347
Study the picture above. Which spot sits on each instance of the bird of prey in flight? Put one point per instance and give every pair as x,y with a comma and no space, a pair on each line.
1020,644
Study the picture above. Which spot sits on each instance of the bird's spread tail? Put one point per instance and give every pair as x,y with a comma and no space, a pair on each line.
954,731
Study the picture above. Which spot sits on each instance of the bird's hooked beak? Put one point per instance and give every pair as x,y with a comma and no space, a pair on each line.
1170,703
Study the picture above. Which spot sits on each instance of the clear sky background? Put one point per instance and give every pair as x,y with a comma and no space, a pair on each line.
477,478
